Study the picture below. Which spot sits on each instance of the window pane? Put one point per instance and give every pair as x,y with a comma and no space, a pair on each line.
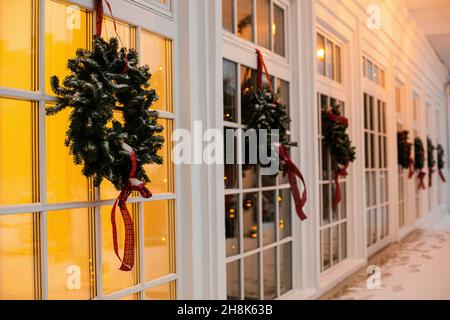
251,277
283,91
343,234
231,174
17,35
248,86
263,22
65,183
232,224
113,278
125,31
284,224
245,19
320,54
286,267
163,292
228,15
159,242
66,31
234,280
329,53
16,257
157,54
278,31
326,243
16,151
161,176
268,216
250,216
338,77
270,274
70,273
326,204
229,91
335,244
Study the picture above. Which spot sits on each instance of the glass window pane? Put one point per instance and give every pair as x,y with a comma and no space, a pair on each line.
369,70
65,183
338,68
278,31
231,174
250,216
156,52
270,274
326,243
335,244
114,279
249,176
320,54
286,267
248,87
17,35
70,268
125,32
16,257
159,242
16,151
251,278
245,19
329,58
326,204
66,30
228,15
229,91
268,216
284,201
234,280
263,22
343,235
232,217
161,176
163,292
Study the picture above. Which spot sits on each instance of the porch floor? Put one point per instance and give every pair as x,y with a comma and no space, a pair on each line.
416,268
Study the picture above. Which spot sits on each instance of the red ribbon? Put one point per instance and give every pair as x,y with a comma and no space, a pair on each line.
336,118
431,171
441,175
341,172
99,18
421,177
411,168
132,185
292,171
262,66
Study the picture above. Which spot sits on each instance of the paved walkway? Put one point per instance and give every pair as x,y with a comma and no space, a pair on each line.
416,268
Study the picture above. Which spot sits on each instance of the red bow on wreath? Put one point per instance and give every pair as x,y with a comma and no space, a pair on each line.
132,185
289,167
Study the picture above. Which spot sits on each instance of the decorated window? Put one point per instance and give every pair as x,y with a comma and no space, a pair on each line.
333,218
376,170
262,22
258,219
329,58
55,227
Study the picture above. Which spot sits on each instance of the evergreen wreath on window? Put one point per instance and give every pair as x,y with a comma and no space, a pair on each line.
102,82
270,116
419,161
441,161
404,150
338,142
431,160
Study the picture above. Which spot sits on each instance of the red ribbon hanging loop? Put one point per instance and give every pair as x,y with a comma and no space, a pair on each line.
421,177
441,175
431,171
411,168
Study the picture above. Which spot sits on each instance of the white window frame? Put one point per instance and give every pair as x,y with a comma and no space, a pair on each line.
126,12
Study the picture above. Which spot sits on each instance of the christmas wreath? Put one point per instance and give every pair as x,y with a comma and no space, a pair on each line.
404,150
101,82
267,113
441,161
431,161
339,144
419,161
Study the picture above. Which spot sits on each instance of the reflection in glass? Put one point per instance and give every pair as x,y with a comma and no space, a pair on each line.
229,91
250,216
286,267
268,216
248,87
234,280
320,54
251,278
263,22
284,201
278,30
270,274
245,19
329,53
232,224
228,15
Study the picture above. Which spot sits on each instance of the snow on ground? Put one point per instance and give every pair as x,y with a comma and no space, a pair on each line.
416,268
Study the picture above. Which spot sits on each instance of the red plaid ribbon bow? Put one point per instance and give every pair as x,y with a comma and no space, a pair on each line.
132,185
